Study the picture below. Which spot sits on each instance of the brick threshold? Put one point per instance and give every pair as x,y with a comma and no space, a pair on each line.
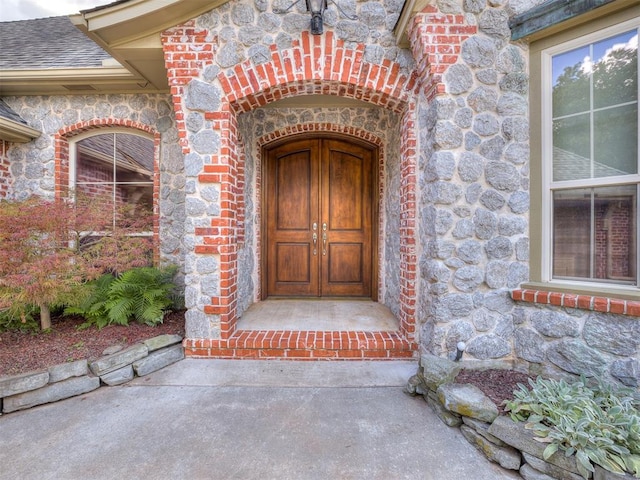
304,345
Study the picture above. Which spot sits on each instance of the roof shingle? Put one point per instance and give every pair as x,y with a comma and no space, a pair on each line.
7,112
42,43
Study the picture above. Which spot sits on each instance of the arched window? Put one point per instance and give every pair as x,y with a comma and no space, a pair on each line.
114,169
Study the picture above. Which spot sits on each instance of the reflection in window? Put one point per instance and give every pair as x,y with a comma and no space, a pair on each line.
595,109
115,171
594,186
594,234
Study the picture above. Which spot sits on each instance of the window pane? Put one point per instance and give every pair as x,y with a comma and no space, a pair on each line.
615,70
571,233
94,159
571,148
570,72
134,158
95,206
135,207
594,235
616,141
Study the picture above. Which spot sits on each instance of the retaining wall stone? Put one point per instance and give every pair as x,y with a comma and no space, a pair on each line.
119,376
500,439
158,359
61,372
507,457
118,360
75,378
23,383
50,393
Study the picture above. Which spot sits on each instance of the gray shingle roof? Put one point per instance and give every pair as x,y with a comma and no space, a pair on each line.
571,166
9,114
42,43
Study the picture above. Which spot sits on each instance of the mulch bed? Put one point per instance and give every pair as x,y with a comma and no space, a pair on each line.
498,385
22,352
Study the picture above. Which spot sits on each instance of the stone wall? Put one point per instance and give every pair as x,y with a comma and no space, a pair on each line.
33,165
500,439
5,179
234,60
116,367
557,340
474,197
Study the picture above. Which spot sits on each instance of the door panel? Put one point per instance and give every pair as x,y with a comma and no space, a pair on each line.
292,196
320,187
346,188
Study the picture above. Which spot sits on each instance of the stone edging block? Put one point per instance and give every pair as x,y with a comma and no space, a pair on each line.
500,439
50,393
75,378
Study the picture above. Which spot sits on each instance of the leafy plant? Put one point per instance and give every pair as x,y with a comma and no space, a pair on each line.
599,425
50,249
24,319
36,257
143,294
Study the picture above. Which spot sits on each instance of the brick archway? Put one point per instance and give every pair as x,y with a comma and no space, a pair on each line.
62,159
313,65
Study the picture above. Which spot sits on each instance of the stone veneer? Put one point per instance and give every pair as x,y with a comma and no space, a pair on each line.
221,76
262,125
37,168
455,175
4,169
474,203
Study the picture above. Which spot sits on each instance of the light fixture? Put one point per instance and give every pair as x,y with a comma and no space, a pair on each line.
316,8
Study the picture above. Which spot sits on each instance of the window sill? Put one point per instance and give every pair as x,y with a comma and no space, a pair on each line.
574,300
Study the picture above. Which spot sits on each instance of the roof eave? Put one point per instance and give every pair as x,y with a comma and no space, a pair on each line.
16,132
130,32
70,81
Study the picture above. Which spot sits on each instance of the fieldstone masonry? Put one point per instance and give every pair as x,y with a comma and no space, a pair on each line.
474,202
35,166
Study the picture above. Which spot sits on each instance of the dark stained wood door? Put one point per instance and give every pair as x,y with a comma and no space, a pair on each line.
319,219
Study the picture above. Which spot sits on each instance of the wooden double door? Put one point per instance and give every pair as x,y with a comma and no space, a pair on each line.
319,219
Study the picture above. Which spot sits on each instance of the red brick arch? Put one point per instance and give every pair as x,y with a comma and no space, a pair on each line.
313,65
62,159
61,140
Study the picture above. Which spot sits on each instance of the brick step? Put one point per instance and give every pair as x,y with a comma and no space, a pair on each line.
298,345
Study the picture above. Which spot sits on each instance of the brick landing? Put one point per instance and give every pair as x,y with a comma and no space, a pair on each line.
304,345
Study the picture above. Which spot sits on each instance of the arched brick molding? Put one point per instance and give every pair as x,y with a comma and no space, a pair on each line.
5,174
436,41
314,65
406,325
62,159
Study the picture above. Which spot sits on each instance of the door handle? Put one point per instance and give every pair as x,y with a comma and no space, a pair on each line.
315,238
324,238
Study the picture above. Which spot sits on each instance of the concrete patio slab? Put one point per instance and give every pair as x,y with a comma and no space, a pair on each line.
212,419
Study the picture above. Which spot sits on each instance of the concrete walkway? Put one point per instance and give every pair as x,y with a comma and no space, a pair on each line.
244,419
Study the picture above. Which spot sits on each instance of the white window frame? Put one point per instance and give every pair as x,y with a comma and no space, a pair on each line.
73,149
548,185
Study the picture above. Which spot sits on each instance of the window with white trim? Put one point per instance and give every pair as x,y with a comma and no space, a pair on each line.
591,167
114,169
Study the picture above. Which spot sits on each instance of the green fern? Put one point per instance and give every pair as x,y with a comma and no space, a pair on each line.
94,306
143,294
